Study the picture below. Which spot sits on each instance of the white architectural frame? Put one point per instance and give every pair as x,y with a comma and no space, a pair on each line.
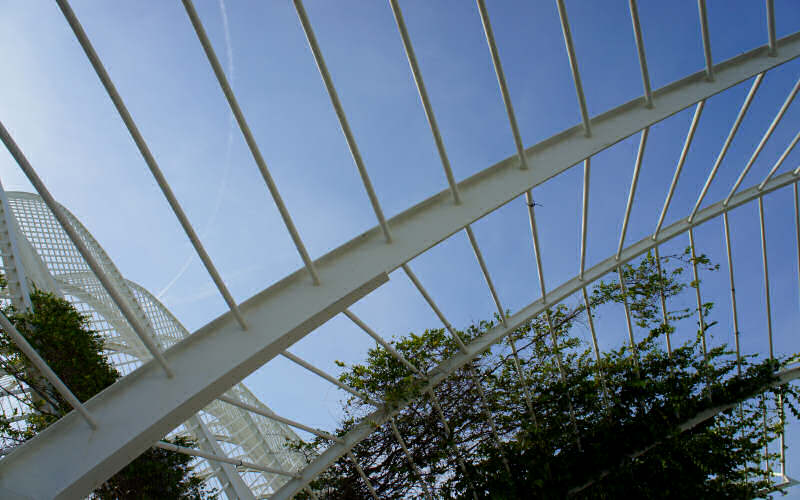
145,405
262,449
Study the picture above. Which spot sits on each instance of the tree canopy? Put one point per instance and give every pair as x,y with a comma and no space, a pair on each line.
557,423
62,337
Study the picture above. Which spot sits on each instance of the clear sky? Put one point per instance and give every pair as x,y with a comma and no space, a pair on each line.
53,104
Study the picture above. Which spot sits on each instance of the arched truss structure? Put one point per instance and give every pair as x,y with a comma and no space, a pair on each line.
190,375
52,262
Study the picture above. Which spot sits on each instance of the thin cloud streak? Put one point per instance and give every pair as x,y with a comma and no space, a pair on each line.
227,162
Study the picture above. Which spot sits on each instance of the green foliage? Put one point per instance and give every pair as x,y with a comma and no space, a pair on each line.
60,334
62,337
617,427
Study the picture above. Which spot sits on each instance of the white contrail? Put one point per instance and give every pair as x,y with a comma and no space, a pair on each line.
227,162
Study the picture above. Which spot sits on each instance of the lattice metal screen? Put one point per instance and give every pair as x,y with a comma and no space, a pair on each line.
251,438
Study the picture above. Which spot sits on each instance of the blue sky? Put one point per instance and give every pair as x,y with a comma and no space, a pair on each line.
53,104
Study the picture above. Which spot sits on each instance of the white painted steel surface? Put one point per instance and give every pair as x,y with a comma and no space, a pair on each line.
728,140
485,341
144,406
255,439
42,366
148,157
640,52
248,136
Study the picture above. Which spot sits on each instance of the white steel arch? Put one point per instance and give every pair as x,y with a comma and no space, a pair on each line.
206,364
251,438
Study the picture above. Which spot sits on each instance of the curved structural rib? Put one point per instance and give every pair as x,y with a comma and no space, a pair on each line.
496,334
220,354
49,252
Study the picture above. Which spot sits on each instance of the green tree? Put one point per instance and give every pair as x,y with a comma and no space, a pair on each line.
608,429
61,335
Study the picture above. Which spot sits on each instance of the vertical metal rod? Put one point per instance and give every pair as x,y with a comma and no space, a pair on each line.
313,369
536,249
780,161
445,161
782,440
337,106
728,141
522,377
479,256
446,427
412,60
141,330
438,407
764,140
364,477
624,291
380,340
767,462
585,215
540,272
632,193
573,63
684,152
249,139
273,416
233,461
414,467
733,293
485,270
637,32
797,227
423,95
489,417
432,304
797,236
773,47
663,302
463,348
591,324
501,81
45,369
563,377
434,400
700,318
769,317
498,67
149,159
701,7
766,273
600,372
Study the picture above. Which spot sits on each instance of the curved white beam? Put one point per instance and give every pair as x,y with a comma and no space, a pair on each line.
497,333
67,460
261,439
